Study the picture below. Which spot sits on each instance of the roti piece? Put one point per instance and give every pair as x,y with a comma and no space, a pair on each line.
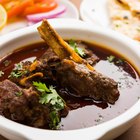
123,20
117,11
134,5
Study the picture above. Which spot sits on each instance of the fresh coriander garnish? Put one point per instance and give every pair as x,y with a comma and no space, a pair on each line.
7,63
111,58
50,96
120,61
41,87
18,71
15,74
77,49
55,120
18,66
1,73
18,93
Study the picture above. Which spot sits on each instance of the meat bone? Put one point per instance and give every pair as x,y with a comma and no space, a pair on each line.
59,46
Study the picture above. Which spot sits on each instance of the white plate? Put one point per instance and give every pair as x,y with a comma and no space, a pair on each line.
71,12
95,12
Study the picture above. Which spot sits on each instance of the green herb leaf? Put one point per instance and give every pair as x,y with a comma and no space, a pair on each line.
18,66
15,74
120,61
56,100
41,87
1,73
50,96
7,63
111,58
77,49
18,93
18,71
54,119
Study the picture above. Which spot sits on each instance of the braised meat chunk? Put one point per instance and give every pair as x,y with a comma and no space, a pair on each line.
86,82
77,73
23,105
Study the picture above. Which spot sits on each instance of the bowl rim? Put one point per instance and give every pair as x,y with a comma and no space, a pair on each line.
84,133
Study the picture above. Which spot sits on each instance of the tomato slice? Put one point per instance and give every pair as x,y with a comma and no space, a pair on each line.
4,1
15,8
39,7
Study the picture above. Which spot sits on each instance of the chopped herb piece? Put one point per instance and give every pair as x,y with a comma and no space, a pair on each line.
50,96
18,71
72,43
77,49
7,62
111,58
41,87
18,93
18,66
1,73
120,61
15,74
57,101
54,117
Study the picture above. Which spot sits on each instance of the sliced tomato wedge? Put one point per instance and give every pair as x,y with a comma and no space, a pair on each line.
16,7
40,7
4,1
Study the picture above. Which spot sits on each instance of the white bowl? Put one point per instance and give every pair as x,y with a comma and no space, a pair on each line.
68,29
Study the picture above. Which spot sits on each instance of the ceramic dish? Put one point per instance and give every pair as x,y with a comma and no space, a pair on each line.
71,12
82,31
96,13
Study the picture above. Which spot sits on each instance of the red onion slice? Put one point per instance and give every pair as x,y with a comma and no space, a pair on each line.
52,14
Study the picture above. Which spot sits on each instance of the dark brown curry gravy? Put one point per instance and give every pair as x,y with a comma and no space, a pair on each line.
87,112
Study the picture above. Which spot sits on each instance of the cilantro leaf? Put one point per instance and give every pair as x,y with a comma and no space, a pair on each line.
18,94
41,87
18,71
18,66
77,49
120,61
111,58
54,117
1,73
16,74
50,96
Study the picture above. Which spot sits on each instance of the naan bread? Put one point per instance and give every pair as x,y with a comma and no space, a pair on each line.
134,5
123,20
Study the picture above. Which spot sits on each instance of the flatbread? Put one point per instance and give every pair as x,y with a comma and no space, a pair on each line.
134,5
123,19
